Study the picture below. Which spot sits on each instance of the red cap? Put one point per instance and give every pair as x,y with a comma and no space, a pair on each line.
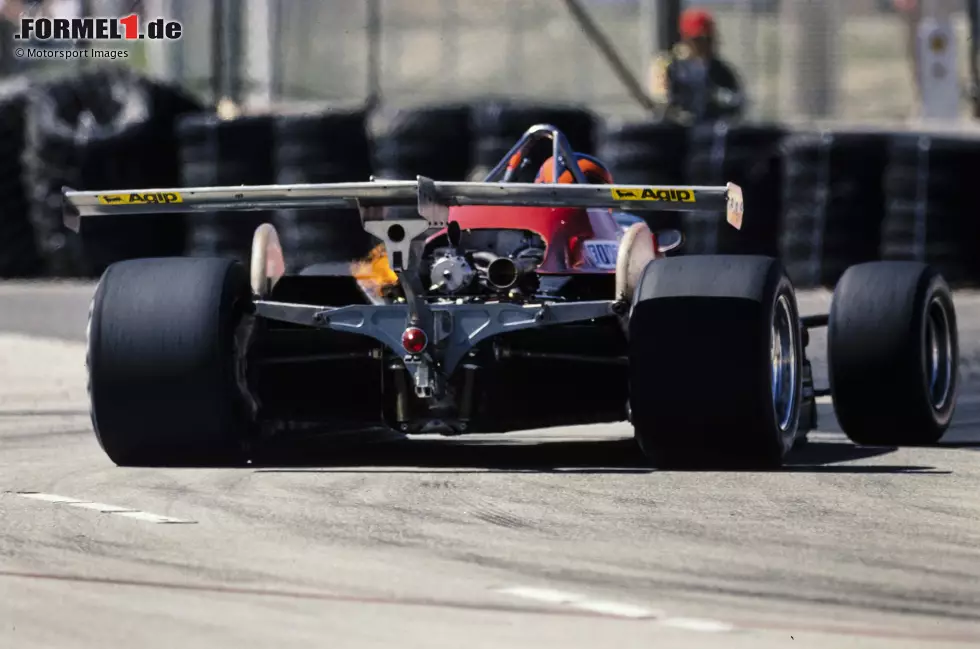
695,23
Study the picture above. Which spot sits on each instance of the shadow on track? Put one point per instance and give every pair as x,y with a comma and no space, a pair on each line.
818,457
458,455
585,456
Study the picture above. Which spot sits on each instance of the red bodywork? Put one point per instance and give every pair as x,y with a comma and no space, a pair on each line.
565,232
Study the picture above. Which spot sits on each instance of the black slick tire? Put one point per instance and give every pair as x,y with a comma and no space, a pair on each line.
701,388
893,353
162,362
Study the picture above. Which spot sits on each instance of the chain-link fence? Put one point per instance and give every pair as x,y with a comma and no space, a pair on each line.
837,59
855,57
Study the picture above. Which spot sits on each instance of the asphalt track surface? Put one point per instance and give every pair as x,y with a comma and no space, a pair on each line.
557,538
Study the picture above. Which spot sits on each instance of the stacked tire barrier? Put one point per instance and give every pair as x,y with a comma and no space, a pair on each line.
100,130
833,203
135,150
324,147
820,200
19,256
496,126
431,141
749,156
214,152
646,153
933,208
61,117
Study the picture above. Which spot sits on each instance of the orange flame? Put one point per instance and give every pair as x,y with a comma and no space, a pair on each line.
374,270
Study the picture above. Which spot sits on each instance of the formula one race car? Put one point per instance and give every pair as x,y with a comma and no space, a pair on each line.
518,302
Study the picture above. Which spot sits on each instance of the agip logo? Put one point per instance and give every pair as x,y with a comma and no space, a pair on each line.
141,198
666,194
127,28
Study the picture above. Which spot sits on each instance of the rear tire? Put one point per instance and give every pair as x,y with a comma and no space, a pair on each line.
162,363
702,336
893,354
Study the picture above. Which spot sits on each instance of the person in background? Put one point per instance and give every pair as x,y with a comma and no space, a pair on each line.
694,83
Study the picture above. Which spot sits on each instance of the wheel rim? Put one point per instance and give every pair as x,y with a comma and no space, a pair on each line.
938,353
783,360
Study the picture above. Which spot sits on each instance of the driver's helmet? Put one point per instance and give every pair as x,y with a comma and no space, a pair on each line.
593,169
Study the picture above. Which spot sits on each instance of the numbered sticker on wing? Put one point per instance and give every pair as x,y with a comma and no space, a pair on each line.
602,254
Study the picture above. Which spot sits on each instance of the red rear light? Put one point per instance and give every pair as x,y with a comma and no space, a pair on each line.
414,340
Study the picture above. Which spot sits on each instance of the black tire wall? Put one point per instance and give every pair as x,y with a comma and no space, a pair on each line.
933,209
104,129
431,141
749,156
833,203
19,255
213,152
819,200
646,153
326,147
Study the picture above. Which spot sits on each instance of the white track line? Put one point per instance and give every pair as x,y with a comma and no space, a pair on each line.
615,609
581,602
152,518
49,498
698,624
824,400
102,507
542,594
127,512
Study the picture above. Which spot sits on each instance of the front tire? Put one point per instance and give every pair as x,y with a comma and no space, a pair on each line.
162,362
716,362
893,354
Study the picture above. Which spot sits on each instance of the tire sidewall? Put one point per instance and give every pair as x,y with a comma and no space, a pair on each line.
936,288
783,440
93,330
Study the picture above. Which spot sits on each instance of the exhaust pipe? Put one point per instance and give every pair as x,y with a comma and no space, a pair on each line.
504,273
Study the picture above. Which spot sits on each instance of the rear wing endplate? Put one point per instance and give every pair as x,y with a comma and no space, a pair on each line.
432,198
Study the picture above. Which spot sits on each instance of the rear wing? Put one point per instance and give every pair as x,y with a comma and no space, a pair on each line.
432,198
403,235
